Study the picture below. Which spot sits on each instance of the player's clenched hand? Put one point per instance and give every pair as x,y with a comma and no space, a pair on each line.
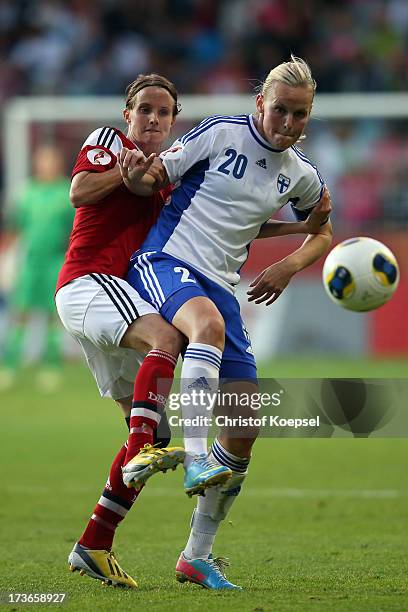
133,164
158,172
319,214
268,285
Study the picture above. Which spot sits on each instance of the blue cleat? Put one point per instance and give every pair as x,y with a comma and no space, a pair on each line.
208,573
202,474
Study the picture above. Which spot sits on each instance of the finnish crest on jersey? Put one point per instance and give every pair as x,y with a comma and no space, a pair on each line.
283,183
99,157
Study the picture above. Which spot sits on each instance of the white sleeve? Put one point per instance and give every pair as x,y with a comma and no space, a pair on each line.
185,152
308,193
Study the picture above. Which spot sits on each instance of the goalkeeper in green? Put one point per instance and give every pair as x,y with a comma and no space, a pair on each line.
42,219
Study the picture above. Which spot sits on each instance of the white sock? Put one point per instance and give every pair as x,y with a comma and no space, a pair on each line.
202,535
214,507
199,379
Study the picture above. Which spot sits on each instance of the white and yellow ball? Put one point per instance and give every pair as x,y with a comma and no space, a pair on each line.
360,274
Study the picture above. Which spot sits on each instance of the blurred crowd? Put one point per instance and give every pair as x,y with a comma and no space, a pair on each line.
80,47
365,164
97,46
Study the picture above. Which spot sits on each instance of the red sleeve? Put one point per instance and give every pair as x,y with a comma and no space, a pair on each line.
94,158
166,192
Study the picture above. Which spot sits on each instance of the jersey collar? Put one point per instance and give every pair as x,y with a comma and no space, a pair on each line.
259,139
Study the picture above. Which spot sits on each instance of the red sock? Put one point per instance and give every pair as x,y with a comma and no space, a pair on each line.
113,505
152,386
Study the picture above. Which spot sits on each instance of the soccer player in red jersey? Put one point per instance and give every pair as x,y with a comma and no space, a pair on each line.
127,344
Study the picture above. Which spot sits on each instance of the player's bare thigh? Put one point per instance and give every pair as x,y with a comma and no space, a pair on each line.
151,331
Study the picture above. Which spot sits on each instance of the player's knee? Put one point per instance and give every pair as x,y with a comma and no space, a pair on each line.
152,331
167,338
210,330
133,338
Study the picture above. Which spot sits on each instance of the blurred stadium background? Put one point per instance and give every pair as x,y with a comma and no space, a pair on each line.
64,68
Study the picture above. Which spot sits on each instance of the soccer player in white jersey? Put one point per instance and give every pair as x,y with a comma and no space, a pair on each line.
231,174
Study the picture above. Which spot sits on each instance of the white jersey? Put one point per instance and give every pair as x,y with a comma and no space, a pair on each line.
229,182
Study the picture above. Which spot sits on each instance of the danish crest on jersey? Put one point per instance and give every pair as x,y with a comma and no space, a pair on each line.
283,183
99,157
171,150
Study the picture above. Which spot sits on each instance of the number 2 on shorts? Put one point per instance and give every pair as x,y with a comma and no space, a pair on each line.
184,274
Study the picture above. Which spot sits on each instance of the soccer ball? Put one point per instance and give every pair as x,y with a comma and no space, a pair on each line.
360,274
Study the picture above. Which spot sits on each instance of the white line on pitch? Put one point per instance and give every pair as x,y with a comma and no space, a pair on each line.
303,493
264,492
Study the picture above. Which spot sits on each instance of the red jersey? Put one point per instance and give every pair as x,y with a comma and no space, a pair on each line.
105,234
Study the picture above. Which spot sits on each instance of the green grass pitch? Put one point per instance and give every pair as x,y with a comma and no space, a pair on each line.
320,525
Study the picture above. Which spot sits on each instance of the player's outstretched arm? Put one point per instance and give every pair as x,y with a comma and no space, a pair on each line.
142,176
312,225
314,246
268,285
274,228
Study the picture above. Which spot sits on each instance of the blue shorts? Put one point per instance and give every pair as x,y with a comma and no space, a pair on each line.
167,283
